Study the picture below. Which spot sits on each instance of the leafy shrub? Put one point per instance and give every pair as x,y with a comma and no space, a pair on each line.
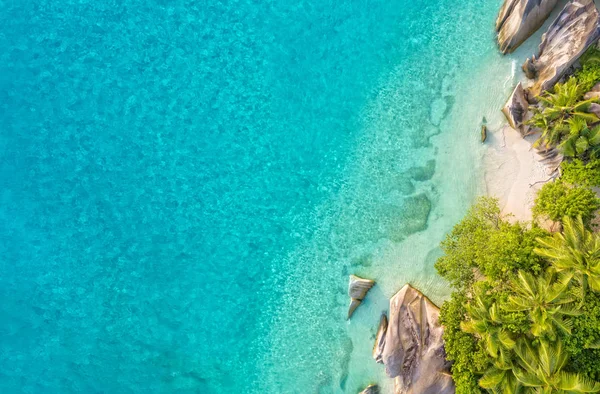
579,173
463,244
589,74
483,240
558,199
508,249
461,348
586,333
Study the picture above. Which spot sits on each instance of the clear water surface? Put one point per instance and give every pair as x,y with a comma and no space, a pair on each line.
185,186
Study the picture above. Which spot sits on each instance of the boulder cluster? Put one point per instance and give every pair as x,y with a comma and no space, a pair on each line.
410,343
575,29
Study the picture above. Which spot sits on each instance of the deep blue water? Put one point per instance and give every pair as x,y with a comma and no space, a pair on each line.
161,162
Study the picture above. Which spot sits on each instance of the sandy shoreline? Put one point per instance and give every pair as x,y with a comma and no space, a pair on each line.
513,173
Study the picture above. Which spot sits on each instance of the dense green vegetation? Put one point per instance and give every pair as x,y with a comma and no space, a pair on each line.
589,74
576,172
571,195
524,316
566,120
558,199
525,313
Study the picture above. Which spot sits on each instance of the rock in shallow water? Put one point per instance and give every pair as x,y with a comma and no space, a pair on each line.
413,353
516,110
357,290
574,30
371,389
519,19
380,339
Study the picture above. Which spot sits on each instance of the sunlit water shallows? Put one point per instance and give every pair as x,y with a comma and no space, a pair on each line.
185,186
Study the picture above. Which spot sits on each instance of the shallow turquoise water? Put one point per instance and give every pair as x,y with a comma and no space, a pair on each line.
187,185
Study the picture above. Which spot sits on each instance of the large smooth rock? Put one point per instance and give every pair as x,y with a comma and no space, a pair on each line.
357,290
574,30
516,110
380,339
371,389
519,19
414,350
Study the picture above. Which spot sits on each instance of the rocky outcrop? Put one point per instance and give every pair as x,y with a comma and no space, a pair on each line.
518,19
516,110
574,30
371,389
357,290
414,350
380,339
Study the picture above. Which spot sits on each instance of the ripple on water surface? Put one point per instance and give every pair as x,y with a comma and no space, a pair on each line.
186,186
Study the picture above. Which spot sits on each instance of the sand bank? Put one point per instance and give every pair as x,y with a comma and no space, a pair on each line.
513,173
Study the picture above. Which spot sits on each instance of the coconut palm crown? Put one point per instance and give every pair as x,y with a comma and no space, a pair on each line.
486,323
541,370
575,253
548,302
564,119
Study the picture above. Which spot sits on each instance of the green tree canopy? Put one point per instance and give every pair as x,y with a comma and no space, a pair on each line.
558,199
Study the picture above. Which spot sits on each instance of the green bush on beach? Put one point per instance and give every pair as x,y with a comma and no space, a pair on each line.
576,172
558,199
483,242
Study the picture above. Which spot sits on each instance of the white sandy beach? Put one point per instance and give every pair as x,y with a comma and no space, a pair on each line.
512,171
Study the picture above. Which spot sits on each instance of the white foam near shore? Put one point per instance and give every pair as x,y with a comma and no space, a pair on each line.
512,172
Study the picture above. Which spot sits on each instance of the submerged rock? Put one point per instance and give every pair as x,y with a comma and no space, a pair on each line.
519,19
423,173
415,214
516,110
371,389
380,339
574,30
413,353
357,290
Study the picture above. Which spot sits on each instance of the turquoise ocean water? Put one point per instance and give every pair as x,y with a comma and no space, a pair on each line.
185,186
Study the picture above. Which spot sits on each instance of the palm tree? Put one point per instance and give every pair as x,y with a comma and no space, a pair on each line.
575,253
556,111
541,370
547,301
501,379
486,323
